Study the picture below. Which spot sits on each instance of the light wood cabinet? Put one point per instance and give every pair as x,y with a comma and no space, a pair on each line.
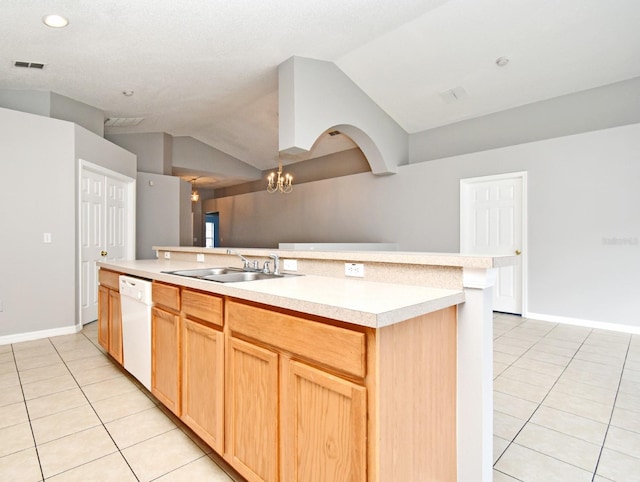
165,358
252,411
203,381
323,426
290,416
103,316
298,398
109,314
115,327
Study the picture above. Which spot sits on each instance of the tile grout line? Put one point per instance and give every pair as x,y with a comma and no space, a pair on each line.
595,471
92,408
159,408
97,415
542,401
26,407
169,415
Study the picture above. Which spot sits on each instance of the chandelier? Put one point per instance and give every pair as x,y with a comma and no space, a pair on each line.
283,184
194,192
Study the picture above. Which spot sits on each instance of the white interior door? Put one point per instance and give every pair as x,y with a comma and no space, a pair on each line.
92,202
106,215
116,219
491,222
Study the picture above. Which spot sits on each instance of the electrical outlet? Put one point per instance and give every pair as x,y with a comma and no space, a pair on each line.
290,265
167,255
200,257
354,269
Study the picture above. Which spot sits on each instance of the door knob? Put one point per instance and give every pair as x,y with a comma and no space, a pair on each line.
518,252
103,253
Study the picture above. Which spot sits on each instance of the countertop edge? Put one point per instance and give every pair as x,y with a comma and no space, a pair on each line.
433,299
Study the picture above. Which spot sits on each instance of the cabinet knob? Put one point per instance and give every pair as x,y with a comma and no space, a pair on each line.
103,253
518,252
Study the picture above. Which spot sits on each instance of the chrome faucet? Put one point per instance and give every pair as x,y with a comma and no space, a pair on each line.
247,263
276,263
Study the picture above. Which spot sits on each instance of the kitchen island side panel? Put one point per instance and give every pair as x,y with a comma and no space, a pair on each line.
416,393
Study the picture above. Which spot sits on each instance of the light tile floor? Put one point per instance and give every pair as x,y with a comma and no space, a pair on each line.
68,413
566,408
566,403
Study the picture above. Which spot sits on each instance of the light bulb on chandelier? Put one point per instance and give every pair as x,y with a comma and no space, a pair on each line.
283,184
194,192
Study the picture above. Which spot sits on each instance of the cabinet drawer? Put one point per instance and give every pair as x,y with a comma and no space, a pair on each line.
166,295
204,306
109,279
329,345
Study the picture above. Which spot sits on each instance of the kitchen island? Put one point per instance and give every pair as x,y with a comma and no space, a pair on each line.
333,378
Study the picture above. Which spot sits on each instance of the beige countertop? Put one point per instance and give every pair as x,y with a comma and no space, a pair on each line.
356,301
395,257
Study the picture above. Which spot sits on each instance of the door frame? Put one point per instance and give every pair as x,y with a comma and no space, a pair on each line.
131,222
216,224
465,212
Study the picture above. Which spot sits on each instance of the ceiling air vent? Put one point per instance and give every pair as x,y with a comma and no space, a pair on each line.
122,121
28,65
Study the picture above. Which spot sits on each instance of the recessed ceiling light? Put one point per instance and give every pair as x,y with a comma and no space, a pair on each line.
55,21
502,61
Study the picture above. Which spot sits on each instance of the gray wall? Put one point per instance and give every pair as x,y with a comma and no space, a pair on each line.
338,164
38,161
97,150
162,213
607,106
71,110
583,191
31,101
153,150
54,105
190,153
37,195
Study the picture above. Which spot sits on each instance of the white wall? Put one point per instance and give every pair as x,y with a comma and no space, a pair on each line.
582,189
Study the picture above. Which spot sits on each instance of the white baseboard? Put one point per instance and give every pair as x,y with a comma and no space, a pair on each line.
36,335
600,325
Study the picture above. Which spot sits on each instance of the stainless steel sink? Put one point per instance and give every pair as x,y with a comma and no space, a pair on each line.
226,275
243,276
200,273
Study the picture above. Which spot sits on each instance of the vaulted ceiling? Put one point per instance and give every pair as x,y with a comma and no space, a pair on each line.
208,69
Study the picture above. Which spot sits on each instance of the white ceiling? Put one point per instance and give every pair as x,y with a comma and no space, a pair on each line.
208,68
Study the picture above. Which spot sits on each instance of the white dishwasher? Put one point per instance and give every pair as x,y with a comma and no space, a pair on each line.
135,301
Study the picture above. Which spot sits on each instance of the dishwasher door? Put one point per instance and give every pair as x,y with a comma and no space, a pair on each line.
135,302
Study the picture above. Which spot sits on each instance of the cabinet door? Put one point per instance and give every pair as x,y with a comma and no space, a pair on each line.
165,358
115,326
252,411
323,426
103,317
203,381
